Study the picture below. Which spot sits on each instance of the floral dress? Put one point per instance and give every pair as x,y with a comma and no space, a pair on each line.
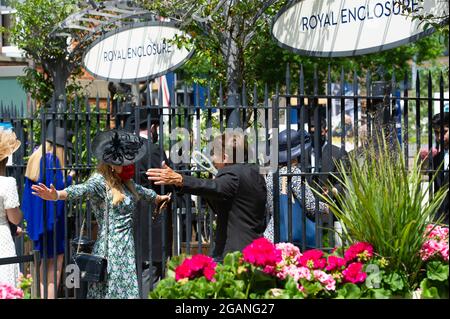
122,282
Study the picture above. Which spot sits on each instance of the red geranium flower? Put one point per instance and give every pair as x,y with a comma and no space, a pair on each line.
354,273
335,263
361,251
313,259
262,253
196,266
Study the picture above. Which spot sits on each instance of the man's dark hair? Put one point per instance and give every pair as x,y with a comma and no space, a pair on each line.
232,144
436,120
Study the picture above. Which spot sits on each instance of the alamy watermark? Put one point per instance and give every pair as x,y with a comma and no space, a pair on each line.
259,150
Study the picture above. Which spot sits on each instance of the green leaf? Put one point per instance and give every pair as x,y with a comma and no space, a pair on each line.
395,281
428,290
232,260
349,291
291,286
437,270
312,289
381,293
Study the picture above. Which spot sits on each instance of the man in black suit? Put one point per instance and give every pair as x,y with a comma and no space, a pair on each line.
441,161
237,194
323,158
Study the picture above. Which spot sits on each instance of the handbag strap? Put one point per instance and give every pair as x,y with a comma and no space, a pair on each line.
106,225
81,233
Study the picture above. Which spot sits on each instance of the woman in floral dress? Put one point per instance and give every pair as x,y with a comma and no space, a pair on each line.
114,194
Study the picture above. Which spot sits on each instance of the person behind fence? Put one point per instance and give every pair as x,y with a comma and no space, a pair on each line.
9,208
440,161
296,194
33,207
324,182
113,195
237,194
436,123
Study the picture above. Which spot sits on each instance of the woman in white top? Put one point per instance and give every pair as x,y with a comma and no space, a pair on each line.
9,208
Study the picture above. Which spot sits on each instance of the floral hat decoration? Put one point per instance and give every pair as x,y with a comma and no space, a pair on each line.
8,143
118,147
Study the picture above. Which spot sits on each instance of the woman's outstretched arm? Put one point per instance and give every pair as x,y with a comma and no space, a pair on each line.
93,186
48,193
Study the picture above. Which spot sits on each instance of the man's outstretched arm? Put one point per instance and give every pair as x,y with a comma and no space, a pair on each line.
223,187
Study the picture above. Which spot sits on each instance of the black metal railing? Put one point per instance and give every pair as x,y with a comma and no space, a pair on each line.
188,225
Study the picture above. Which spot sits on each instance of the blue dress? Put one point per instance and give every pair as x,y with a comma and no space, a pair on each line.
33,209
297,213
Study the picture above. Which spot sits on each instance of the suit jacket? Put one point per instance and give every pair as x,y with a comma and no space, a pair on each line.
442,180
328,165
238,196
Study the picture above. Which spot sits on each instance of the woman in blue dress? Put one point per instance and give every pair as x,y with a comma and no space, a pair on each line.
296,195
114,196
33,207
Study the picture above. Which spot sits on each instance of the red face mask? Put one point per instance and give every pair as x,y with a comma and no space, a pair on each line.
127,172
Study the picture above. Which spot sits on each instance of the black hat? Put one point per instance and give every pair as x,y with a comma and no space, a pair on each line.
118,147
61,138
296,147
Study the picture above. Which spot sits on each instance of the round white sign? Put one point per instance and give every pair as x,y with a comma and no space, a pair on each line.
136,53
351,27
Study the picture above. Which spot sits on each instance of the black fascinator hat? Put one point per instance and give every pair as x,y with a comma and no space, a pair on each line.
118,147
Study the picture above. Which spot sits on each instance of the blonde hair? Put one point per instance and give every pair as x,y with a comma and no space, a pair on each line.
115,184
8,145
33,166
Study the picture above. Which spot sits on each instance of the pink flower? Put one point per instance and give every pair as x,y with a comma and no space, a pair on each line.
434,231
335,263
9,292
295,272
289,252
304,272
196,266
354,273
325,279
262,253
444,252
290,270
361,251
436,244
271,270
313,259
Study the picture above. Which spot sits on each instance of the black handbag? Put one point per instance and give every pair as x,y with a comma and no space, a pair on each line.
93,268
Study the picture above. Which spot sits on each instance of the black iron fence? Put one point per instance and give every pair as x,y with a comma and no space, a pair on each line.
353,109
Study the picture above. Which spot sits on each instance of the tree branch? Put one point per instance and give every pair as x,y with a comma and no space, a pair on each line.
266,4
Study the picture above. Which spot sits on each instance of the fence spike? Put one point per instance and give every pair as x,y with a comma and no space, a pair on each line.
302,80
288,79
